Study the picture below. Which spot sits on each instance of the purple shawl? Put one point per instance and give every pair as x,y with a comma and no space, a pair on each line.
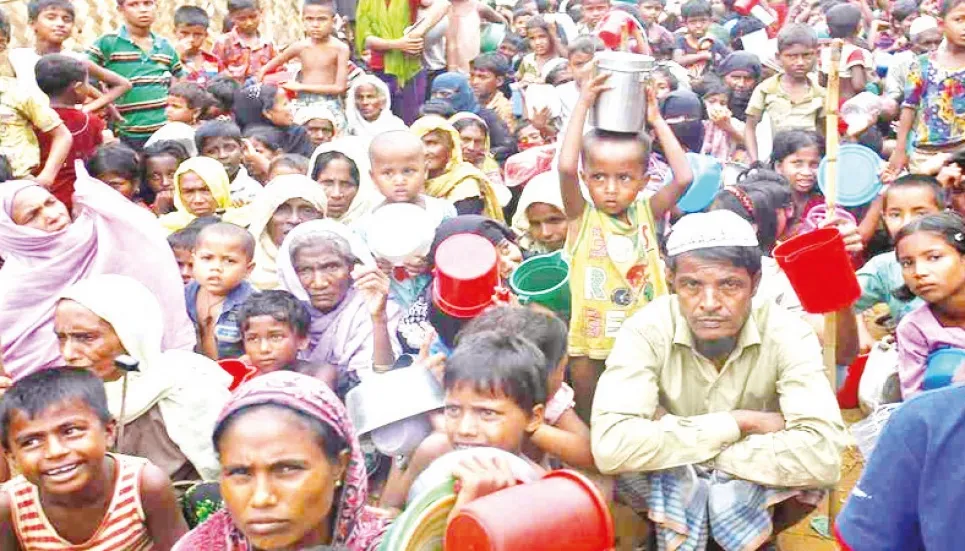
108,235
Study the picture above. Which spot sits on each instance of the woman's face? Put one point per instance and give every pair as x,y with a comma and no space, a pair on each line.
159,172
281,114
288,215
438,147
547,225
801,169
122,183
930,266
340,188
473,144
319,131
34,207
509,258
277,483
86,340
324,274
740,81
539,41
369,101
196,195
529,137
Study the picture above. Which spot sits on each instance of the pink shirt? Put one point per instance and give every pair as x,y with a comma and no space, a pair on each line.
919,334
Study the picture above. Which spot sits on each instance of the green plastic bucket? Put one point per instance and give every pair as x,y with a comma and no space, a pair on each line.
492,37
545,280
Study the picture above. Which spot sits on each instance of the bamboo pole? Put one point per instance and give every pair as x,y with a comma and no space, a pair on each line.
831,196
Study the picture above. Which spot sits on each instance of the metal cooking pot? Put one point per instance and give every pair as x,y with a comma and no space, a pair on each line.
385,398
623,108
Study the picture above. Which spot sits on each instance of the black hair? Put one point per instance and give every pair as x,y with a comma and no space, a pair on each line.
235,6
742,27
515,41
223,89
35,7
558,75
843,21
789,142
695,8
162,148
947,225
665,73
539,22
281,305
585,44
540,326
916,180
903,9
519,12
767,192
748,258
192,16
6,171
949,5
498,363
493,63
713,86
323,3
4,25
461,124
36,393
270,137
663,3
216,129
591,138
326,437
184,239
196,96
323,159
292,161
56,73
117,159
796,34
203,222
437,106
233,231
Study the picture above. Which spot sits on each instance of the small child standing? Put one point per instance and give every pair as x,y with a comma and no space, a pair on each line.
149,61
844,22
792,99
222,260
323,58
72,492
191,30
535,65
695,50
243,51
64,79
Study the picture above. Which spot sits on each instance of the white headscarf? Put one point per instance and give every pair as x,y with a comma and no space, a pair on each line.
386,121
189,389
357,149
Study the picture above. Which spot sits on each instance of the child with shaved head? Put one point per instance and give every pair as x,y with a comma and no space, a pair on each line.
223,257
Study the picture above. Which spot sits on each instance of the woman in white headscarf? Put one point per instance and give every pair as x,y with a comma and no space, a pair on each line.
354,151
369,108
286,202
174,398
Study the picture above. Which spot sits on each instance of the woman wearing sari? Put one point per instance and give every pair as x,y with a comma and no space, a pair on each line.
455,88
342,168
202,188
476,145
46,251
450,177
369,108
286,202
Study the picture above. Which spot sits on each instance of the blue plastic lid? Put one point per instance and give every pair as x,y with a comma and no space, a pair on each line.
941,367
858,168
707,182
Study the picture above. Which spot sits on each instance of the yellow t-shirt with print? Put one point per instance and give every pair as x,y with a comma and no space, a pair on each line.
20,112
615,269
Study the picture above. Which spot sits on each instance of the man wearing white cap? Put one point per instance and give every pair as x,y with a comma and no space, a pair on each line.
704,378
925,37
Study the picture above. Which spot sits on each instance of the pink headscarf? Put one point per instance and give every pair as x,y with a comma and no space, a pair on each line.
109,235
356,527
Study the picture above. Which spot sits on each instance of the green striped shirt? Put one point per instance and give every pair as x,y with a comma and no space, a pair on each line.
150,74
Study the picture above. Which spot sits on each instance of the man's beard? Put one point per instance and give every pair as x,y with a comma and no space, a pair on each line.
737,103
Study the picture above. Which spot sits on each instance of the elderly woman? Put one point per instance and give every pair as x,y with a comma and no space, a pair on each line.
286,202
328,267
172,400
342,168
369,108
202,188
47,250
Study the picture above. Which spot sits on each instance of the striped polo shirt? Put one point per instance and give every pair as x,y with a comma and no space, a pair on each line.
150,73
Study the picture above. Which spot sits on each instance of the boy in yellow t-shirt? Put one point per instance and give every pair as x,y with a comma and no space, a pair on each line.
615,260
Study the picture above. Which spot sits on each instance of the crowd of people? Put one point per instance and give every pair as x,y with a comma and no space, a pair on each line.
172,207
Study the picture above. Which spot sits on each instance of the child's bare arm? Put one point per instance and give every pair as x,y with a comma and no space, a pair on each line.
279,61
573,449
750,136
117,86
59,149
336,88
859,78
667,197
900,156
569,163
164,520
869,224
689,59
491,15
400,480
430,18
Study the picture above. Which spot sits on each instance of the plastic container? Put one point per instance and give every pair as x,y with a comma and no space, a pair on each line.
492,37
819,270
623,107
545,280
563,510
465,276
858,169
861,111
941,367
240,372
614,27
708,177
399,231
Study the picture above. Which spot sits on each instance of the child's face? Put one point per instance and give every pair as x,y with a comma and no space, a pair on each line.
930,266
547,225
246,20
399,173
906,203
220,264
484,419
697,26
319,131
484,83
159,172
594,11
282,169
319,21
438,148
614,172
281,114
271,344
53,25
191,35
577,61
178,110
509,257
196,196
473,144
801,169
62,449
288,215
185,260
529,137
650,11
86,340
662,86
797,60
508,50
139,14
262,149
227,151
539,41
340,187
519,25
369,101
123,183
954,23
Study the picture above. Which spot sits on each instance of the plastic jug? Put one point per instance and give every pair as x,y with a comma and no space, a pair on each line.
819,270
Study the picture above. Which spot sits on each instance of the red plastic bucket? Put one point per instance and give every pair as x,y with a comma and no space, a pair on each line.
466,275
563,510
611,29
240,372
819,270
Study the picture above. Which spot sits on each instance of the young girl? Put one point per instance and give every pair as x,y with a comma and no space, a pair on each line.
545,53
263,145
117,166
931,253
269,105
796,155
723,133
159,162
539,215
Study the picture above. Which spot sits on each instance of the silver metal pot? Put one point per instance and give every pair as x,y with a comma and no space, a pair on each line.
385,398
622,108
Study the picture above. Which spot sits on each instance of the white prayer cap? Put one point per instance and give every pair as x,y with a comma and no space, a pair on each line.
921,24
703,230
